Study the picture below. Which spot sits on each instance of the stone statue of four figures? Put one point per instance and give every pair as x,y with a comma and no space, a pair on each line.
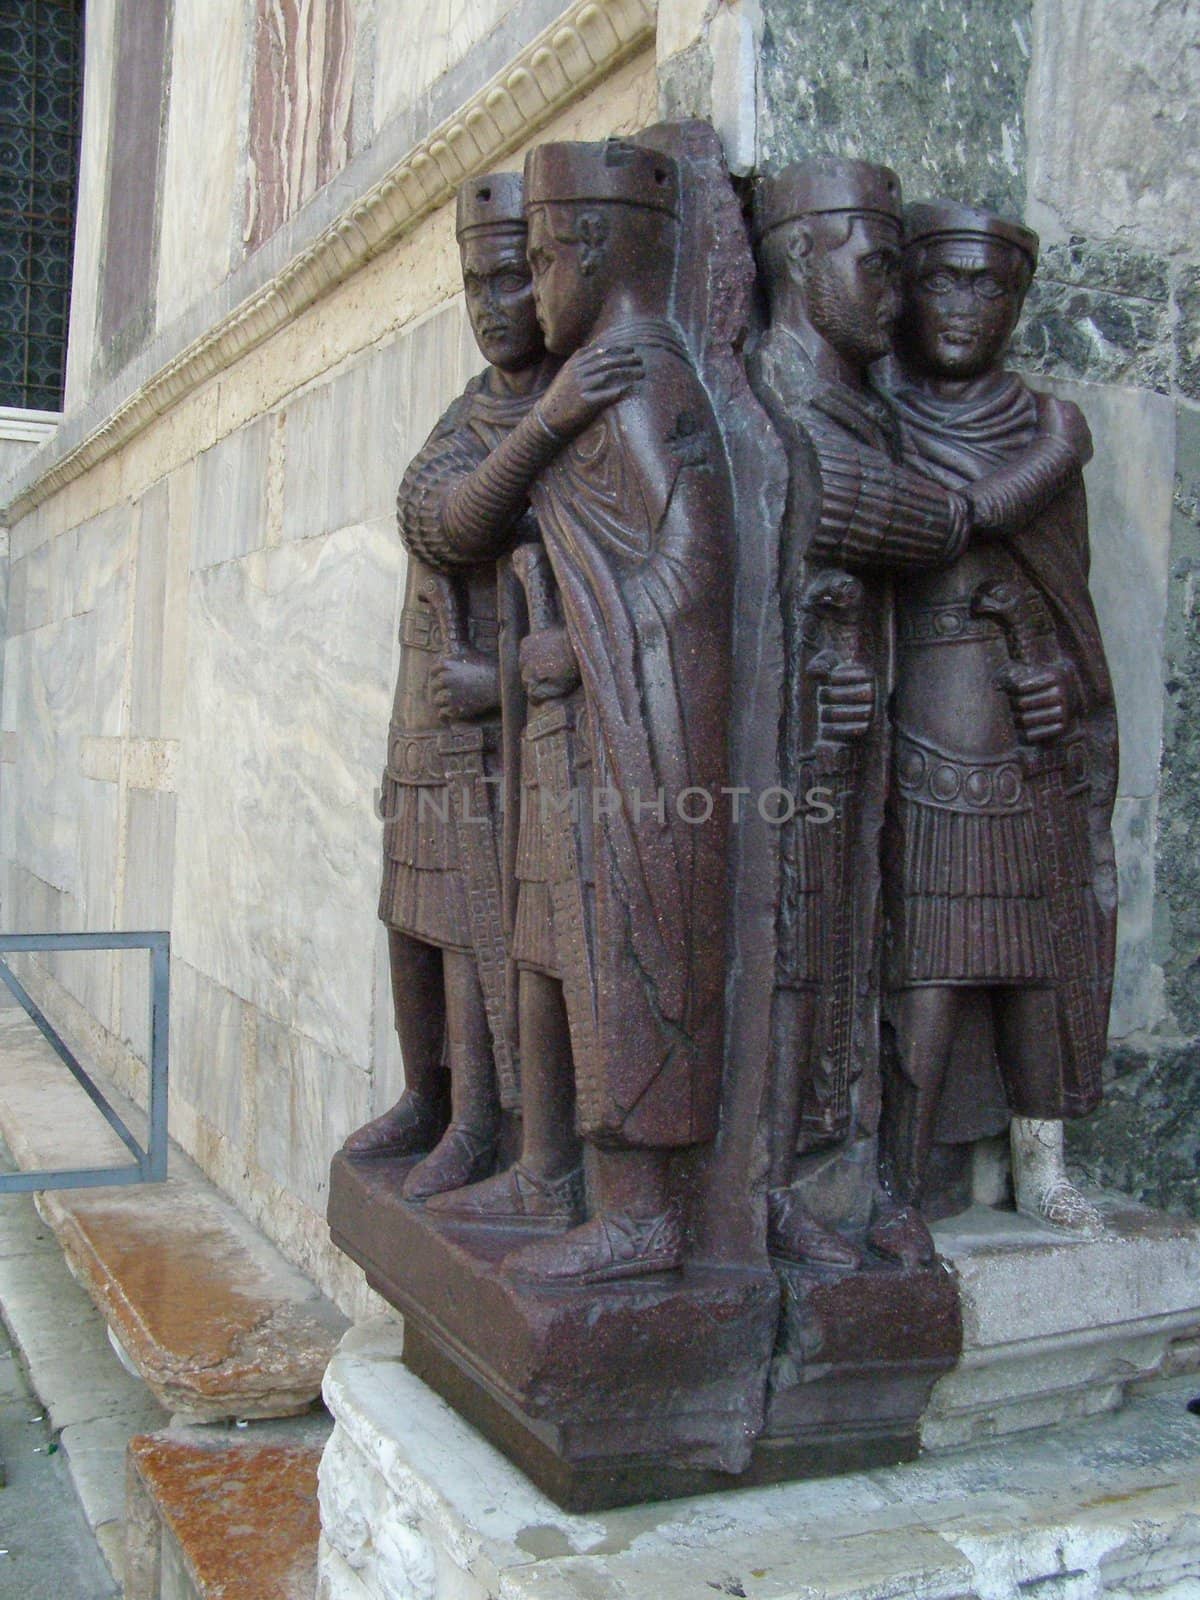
562,881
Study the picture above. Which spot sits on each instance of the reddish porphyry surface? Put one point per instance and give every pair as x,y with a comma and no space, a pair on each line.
244,1516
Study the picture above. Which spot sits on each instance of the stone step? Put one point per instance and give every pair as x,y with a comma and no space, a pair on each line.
202,1307
211,1519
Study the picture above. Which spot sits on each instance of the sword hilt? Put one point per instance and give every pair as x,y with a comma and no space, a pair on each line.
532,566
446,603
1023,619
839,601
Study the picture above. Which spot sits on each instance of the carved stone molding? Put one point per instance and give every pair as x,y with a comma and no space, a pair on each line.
586,43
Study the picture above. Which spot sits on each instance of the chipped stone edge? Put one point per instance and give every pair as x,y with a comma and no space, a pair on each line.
587,42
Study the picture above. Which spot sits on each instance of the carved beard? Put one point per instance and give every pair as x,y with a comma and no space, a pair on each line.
853,331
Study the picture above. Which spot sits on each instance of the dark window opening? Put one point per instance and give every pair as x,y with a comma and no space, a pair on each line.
41,75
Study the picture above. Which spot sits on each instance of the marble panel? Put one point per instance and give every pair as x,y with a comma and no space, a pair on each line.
107,665
309,472
418,40
18,651
89,212
146,901
287,707
54,691
1129,483
199,163
387,1066
99,848
1113,114
206,1048
349,440
1138,987
31,531
91,562
32,590
149,605
301,106
182,497
230,507
141,81
308,1100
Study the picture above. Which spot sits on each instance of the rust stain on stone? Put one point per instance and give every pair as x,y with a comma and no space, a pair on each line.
215,1329
181,1286
244,1516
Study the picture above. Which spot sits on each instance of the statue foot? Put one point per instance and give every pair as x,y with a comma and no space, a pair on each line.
408,1129
516,1198
460,1157
794,1234
1062,1206
899,1234
608,1247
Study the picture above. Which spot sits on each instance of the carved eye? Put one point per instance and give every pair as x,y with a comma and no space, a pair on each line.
512,282
938,283
987,288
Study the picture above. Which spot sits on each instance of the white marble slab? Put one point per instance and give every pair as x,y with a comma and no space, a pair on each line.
287,709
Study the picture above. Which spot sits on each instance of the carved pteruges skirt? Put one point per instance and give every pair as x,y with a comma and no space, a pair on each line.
424,893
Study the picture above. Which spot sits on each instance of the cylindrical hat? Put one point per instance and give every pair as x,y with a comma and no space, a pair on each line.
495,200
822,184
612,172
946,219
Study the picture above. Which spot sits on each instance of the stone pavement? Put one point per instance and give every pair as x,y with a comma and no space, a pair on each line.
47,1549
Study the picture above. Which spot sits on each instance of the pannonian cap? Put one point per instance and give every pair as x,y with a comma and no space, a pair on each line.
496,200
826,183
946,219
611,172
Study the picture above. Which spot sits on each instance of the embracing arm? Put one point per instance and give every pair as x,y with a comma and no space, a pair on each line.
1013,495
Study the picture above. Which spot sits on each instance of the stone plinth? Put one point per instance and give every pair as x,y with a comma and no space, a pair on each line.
1056,1327
415,1503
641,1389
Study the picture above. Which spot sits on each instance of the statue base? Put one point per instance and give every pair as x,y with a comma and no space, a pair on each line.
414,1502
601,1396
661,1386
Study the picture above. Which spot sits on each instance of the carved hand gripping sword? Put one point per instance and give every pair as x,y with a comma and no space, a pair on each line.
476,831
1057,773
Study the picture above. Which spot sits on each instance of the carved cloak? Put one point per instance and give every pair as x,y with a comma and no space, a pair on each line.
636,516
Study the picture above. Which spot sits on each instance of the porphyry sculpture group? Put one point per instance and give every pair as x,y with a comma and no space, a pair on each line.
747,853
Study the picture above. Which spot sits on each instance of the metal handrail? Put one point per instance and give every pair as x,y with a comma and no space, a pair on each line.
150,1163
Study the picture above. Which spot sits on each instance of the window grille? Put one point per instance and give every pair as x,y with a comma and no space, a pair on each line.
41,70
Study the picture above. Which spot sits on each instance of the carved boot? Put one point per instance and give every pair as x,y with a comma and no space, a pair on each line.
409,1129
610,1246
460,1157
516,1198
794,1234
1040,1181
899,1233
